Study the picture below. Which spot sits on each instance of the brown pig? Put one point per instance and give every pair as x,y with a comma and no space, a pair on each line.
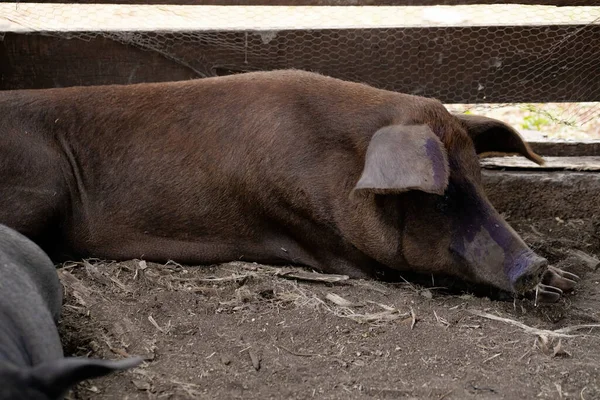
274,167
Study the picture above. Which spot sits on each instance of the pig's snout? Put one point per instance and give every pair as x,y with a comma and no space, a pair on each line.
530,274
496,255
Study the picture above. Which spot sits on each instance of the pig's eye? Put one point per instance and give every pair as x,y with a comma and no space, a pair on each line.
446,202
442,203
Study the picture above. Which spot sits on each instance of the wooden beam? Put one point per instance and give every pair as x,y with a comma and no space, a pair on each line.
37,61
563,194
489,64
327,2
563,148
551,163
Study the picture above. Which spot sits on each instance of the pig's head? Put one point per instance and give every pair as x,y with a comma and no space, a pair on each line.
449,225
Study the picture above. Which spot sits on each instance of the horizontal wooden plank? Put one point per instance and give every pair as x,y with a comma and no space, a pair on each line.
554,63
521,194
551,163
563,148
36,61
165,18
327,2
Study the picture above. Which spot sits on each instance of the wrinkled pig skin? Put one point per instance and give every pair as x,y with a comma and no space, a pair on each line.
276,167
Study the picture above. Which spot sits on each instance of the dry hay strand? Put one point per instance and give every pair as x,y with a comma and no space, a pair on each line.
312,276
104,273
339,306
344,309
295,273
164,330
557,333
72,285
291,292
108,276
178,278
442,321
375,318
340,301
238,278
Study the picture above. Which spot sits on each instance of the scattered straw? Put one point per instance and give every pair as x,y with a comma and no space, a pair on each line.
491,358
291,292
163,330
121,285
563,332
76,287
232,278
312,276
295,353
441,320
414,318
388,314
339,300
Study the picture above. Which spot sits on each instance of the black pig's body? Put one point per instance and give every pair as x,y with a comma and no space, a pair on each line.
31,356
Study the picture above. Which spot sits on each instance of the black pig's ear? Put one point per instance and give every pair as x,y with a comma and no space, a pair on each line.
55,378
491,136
402,158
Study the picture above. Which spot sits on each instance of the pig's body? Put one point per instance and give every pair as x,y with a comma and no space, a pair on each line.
277,167
31,356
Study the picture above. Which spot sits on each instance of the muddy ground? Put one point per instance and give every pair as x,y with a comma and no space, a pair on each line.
246,331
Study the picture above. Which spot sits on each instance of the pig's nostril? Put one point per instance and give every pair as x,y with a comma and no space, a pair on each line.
532,276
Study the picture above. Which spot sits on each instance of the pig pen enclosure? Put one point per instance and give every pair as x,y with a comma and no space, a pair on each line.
249,331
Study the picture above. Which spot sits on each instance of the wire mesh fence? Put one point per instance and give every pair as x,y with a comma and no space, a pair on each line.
537,66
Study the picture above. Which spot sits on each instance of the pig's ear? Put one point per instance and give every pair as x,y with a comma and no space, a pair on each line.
492,136
402,158
56,377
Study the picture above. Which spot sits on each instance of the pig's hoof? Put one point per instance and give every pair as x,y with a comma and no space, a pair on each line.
560,279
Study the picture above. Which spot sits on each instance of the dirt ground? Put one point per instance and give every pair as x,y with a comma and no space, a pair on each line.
247,331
